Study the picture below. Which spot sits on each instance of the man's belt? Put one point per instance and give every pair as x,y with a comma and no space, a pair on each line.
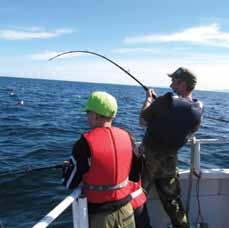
106,187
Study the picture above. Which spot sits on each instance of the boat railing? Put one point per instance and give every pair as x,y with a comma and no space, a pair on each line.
79,205
79,211
195,150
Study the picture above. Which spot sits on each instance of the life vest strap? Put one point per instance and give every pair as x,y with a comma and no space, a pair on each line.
106,187
136,193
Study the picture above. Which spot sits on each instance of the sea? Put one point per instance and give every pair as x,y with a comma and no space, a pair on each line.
41,119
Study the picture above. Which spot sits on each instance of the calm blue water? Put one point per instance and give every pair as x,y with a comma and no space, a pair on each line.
41,132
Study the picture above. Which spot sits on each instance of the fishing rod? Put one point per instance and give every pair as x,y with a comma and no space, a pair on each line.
30,169
102,56
120,67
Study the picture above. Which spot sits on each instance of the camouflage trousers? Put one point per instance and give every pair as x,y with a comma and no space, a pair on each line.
169,192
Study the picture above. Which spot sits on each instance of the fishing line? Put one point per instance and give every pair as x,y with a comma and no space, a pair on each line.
102,56
218,119
29,169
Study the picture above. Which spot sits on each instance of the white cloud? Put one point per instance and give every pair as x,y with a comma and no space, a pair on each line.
31,33
208,35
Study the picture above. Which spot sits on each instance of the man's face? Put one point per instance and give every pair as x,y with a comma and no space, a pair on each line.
175,85
178,86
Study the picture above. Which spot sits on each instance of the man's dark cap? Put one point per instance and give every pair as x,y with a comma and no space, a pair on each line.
183,74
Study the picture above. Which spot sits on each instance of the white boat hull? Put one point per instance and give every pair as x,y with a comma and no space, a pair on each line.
213,198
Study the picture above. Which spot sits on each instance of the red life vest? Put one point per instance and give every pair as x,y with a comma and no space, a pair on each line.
137,194
111,155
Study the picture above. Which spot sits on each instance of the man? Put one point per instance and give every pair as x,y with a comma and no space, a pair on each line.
101,160
169,120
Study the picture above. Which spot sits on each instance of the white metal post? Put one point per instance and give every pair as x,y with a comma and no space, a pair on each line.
80,213
75,214
196,157
195,167
83,212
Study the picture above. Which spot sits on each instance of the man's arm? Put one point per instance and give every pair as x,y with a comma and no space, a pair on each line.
199,105
78,164
150,98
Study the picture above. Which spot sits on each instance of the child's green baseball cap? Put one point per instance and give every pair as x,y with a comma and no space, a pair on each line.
102,103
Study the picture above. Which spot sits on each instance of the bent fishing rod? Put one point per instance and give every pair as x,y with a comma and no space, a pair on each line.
127,72
104,57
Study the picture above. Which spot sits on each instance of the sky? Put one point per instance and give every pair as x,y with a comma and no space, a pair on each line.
148,38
